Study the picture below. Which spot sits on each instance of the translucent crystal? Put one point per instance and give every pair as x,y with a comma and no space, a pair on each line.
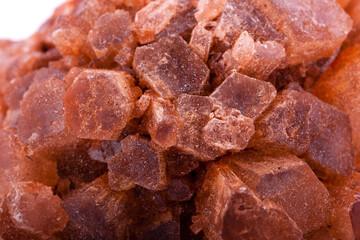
228,130
32,212
201,40
228,209
195,114
97,212
137,164
250,96
163,67
209,9
161,122
92,114
287,181
153,18
254,59
111,36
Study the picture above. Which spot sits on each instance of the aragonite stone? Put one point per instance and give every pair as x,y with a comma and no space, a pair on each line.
31,211
195,114
345,198
182,119
228,130
97,212
70,34
111,36
179,163
285,124
250,96
201,39
209,9
300,123
287,181
228,209
162,122
301,29
41,117
152,19
328,126
339,87
137,164
254,59
162,67
91,114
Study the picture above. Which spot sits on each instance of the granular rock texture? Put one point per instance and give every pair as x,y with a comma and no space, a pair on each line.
181,119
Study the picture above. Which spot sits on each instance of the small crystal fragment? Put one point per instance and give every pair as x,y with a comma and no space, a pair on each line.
137,164
162,122
111,36
70,34
163,67
228,130
250,96
97,212
179,163
228,209
339,87
209,9
195,114
153,18
254,59
287,181
98,104
34,212
285,124
201,40
41,117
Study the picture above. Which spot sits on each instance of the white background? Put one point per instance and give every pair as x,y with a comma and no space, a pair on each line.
21,18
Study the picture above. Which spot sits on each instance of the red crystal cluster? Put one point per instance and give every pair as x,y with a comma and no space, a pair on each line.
183,119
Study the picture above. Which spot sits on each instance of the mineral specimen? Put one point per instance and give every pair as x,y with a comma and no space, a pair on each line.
31,211
339,87
137,164
228,209
182,119
111,36
92,114
162,67
287,181
250,96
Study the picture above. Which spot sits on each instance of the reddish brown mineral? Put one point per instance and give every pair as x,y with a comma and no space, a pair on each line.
31,211
90,113
162,122
228,209
288,182
201,40
111,36
182,119
97,212
162,67
137,164
250,96
339,87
